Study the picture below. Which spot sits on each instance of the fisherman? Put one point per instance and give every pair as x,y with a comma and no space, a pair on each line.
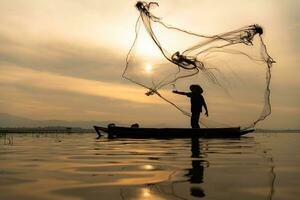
197,101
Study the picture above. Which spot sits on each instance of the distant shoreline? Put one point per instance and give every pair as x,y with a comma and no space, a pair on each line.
62,129
46,130
277,131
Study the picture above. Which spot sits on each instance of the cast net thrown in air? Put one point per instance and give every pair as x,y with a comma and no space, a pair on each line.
233,68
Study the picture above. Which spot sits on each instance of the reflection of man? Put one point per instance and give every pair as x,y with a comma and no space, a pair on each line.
197,192
196,173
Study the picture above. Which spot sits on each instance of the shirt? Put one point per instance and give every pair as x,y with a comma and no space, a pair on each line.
197,101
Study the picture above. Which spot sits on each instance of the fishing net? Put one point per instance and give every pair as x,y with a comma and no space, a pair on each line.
233,68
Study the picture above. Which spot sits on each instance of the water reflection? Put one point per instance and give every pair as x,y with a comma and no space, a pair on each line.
148,167
272,175
80,167
237,147
196,173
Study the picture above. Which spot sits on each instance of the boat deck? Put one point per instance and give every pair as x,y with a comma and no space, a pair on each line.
125,132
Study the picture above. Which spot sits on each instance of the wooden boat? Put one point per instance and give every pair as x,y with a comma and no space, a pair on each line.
126,132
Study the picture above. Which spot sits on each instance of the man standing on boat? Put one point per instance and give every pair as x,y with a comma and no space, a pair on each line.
197,101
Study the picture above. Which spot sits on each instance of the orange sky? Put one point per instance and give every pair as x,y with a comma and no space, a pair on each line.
64,59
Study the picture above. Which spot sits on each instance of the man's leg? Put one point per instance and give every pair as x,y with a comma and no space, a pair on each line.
195,119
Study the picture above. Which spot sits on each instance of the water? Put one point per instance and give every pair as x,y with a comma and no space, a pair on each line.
78,166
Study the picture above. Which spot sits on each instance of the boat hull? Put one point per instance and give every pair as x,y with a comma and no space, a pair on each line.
125,132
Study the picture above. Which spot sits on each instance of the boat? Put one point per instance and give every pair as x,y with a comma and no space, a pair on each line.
135,132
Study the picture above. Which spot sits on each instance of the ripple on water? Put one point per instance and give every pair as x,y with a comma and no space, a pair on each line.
79,166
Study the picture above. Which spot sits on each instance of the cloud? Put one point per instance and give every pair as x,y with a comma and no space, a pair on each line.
43,104
49,81
62,56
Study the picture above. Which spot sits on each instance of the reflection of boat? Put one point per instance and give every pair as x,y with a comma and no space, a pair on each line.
126,132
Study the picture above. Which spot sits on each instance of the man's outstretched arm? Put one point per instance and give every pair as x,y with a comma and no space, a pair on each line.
181,93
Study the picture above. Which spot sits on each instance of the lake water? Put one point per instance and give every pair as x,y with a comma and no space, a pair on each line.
78,166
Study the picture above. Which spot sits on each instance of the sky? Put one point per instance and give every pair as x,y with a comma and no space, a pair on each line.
64,59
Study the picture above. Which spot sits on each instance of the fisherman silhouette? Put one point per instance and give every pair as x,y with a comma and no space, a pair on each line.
197,101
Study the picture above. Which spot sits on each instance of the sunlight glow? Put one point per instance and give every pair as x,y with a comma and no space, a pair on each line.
148,68
148,167
146,192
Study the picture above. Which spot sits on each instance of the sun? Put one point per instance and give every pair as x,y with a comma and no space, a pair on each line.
148,67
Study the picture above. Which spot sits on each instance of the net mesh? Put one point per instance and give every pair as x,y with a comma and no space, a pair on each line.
233,68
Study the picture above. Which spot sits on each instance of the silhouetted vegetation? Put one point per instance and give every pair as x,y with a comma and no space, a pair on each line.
55,129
